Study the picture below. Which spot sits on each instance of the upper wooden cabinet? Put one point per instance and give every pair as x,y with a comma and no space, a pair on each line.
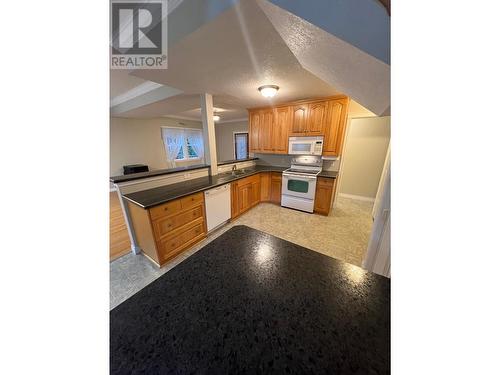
254,130
317,119
335,127
270,127
299,119
266,130
269,130
281,129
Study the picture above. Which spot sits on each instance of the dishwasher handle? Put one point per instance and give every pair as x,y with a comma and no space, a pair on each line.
217,190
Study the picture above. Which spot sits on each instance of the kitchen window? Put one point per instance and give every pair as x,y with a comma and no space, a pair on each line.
241,145
182,145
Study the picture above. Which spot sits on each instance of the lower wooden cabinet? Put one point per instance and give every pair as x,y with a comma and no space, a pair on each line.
265,186
245,194
275,188
166,230
325,188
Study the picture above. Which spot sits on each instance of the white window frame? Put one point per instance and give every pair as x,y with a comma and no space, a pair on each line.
248,141
184,146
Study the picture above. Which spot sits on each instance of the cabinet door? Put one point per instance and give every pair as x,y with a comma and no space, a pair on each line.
244,197
280,130
266,130
276,188
324,195
265,186
255,193
254,131
317,118
299,119
335,127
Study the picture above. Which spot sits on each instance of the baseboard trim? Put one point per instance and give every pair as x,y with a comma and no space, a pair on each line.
357,197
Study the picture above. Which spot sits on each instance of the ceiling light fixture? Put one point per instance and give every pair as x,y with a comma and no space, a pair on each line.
268,91
216,117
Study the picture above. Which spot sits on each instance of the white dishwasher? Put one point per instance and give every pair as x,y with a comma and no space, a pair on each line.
218,206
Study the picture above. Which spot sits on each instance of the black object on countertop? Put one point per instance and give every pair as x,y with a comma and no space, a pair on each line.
158,172
249,302
162,194
135,168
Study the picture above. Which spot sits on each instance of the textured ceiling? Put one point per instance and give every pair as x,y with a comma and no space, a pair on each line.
251,44
231,57
354,72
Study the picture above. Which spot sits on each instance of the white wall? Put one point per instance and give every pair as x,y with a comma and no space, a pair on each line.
225,139
364,155
138,141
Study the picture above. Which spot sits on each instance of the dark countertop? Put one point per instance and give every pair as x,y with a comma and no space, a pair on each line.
159,172
328,174
236,161
249,302
153,197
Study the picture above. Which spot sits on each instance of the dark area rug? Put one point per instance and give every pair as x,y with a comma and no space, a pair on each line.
249,302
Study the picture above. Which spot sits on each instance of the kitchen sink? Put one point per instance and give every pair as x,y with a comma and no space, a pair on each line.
237,172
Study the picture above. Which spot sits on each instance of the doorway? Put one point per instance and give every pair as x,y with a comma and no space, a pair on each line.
240,145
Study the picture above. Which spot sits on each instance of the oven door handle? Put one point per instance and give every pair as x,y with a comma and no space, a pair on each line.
299,175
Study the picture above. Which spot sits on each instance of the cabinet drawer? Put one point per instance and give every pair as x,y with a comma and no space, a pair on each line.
191,200
325,181
165,209
164,226
172,245
249,180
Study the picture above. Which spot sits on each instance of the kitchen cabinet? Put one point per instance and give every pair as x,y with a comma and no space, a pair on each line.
275,196
164,231
254,130
335,127
299,119
280,130
269,130
266,130
270,127
245,194
317,118
265,186
325,188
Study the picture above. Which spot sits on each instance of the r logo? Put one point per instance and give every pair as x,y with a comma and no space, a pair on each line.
137,28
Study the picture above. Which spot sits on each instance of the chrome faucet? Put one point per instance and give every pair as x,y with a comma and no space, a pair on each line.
234,168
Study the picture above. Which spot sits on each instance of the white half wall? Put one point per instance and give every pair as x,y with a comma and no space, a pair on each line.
364,156
225,140
138,141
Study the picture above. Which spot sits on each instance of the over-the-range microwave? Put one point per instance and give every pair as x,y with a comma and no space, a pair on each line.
305,145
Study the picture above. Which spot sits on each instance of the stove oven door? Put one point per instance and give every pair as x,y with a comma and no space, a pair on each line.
300,186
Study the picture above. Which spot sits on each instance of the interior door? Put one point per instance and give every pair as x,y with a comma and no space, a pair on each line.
280,130
317,118
299,119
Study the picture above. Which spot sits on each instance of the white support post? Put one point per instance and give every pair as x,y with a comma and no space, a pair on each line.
207,111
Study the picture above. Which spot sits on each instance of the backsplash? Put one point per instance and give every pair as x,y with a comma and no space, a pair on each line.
286,160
